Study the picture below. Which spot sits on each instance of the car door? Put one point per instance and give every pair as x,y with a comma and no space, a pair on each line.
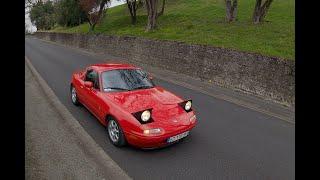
82,90
93,94
79,85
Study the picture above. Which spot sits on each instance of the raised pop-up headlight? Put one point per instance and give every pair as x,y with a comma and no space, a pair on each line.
143,116
186,105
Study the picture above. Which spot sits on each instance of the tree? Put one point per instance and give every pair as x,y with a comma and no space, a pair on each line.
69,13
132,6
151,6
42,15
94,10
231,10
260,10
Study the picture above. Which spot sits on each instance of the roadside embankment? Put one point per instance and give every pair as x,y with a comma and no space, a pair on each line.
269,77
56,147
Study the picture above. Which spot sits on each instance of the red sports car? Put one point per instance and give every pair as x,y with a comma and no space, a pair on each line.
133,109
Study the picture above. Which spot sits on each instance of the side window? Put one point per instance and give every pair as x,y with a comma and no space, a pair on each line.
93,76
88,75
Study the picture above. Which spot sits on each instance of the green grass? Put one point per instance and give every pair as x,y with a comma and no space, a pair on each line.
202,22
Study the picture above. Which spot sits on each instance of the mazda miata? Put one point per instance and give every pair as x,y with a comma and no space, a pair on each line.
133,109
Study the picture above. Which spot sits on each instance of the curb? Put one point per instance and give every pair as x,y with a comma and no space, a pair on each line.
101,158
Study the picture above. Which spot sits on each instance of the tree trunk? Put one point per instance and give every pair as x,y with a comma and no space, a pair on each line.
162,8
95,18
152,14
260,10
102,4
234,10
265,9
231,10
132,6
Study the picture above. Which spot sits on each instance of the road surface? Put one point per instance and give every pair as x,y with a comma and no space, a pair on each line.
229,142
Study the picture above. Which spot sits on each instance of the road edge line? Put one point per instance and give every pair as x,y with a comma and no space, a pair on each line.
95,149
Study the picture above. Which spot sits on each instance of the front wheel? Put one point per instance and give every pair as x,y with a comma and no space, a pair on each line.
115,133
74,97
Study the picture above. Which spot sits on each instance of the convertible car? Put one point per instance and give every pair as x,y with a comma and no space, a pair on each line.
132,108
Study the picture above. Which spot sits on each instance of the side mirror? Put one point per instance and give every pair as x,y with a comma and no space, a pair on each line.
88,84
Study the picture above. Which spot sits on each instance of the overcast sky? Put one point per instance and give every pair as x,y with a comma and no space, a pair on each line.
32,28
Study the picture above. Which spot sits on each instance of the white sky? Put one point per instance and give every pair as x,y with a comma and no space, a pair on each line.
33,28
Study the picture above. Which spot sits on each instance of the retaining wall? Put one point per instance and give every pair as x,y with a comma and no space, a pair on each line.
270,77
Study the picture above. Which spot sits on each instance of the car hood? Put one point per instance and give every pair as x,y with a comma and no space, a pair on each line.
137,100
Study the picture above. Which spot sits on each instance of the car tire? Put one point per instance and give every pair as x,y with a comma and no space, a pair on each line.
73,95
115,133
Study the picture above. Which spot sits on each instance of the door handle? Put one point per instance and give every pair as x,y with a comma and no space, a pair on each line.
81,86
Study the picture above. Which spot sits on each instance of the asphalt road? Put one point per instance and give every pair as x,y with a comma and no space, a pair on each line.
230,141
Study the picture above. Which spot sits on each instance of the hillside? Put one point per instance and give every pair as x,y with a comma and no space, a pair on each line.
202,22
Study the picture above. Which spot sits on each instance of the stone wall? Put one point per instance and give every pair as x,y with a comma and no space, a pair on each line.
270,77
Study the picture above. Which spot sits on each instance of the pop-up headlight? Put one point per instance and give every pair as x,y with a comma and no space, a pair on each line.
143,116
186,105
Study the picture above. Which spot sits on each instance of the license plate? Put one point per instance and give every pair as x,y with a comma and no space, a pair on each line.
177,137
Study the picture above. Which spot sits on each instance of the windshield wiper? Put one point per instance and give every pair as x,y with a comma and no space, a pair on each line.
116,88
144,87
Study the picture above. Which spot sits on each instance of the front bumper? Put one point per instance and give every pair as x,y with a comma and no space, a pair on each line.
144,141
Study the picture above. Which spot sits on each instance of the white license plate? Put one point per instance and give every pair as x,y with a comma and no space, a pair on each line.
177,137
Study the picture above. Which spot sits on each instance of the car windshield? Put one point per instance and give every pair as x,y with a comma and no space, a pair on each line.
125,80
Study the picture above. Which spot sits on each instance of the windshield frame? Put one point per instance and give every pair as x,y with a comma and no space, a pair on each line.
102,86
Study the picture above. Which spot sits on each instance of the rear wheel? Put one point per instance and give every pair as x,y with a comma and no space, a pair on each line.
74,97
115,133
